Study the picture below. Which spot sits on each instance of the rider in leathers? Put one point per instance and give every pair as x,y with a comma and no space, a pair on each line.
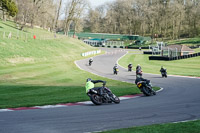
115,68
130,67
90,61
163,70
139,78
90,85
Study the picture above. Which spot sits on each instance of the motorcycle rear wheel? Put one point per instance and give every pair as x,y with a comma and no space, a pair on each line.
96,99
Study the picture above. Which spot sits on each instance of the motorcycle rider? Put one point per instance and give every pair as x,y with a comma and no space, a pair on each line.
138,67
140,78
115,68
147,82
138,70
90,61
163,70
90,85
130,67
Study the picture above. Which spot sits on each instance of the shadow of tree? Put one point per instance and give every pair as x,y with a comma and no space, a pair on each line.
12,26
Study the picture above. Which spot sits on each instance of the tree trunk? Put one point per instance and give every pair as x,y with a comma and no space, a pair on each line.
4,16
57,16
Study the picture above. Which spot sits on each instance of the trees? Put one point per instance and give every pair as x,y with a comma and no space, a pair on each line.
57,14
165,18
8,7
36,12
74,10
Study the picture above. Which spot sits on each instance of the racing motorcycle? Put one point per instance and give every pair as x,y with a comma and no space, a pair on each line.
116,70
164,73
107,97
139,72
129,68
145,88
90,62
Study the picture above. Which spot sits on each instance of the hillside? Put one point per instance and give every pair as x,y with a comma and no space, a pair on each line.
19,50
32,58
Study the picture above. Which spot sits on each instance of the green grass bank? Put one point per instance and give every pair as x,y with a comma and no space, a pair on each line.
182,127
185,67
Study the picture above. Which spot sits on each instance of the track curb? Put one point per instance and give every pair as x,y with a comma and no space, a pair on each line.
126,97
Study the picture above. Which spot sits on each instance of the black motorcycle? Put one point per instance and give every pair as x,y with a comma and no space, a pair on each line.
129,69
145,88
90,63
139,72
115,71
164,73
107,97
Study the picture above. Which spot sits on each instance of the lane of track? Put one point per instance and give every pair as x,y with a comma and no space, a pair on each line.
178,101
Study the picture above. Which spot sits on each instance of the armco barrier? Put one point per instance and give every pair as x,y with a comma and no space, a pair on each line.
91,53
173,58
129,47
150,52
159,58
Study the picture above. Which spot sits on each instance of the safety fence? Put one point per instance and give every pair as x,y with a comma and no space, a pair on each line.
20,35
150,52
114,44
173,58
133,47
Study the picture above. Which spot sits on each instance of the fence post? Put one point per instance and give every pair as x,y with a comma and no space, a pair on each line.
4,34
26,37
9,35
17,34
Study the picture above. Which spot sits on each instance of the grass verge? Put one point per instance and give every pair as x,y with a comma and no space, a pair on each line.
182,127
185,67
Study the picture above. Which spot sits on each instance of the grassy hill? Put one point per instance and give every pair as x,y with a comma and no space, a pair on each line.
26,61
42,71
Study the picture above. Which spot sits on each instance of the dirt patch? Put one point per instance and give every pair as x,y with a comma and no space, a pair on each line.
5,77
19,60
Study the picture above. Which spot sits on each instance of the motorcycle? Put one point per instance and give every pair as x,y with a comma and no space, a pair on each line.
129,69
139,72
164,73
116,70
145,88
107,97
90,63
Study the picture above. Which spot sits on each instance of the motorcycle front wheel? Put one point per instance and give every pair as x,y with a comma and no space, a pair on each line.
96,99
115,99
146,91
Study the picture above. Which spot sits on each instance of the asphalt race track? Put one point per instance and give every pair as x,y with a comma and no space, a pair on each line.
179,101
